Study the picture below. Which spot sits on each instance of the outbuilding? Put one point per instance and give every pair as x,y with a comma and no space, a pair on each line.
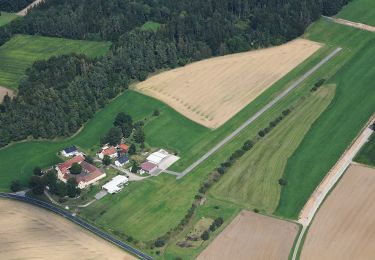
70,151
121,161
149,167
116,184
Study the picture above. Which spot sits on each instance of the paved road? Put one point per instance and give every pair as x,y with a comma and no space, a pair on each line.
69,216
311,207
259,113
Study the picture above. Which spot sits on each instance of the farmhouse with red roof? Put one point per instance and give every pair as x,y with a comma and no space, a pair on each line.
89,175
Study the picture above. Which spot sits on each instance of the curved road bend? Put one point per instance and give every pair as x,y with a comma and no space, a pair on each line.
84,224
259,113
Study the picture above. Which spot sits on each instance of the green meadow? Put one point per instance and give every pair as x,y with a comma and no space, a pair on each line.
252,181
6,18
359,11
367,153
335,129
20,52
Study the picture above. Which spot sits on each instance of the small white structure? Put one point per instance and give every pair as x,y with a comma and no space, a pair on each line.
116,184
157,157
70,151
121,161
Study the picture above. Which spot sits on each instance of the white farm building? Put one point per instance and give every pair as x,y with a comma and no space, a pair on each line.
157,157
116,184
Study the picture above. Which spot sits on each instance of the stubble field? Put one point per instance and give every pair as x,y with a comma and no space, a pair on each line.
344,227
212,91
253,236
28,231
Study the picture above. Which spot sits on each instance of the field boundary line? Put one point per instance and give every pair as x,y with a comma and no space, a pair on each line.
78,221
334,175
259,113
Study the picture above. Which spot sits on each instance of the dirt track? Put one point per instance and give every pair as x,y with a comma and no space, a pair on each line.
26,9
27,231
352,24
344,227
212,91
252,236
4,91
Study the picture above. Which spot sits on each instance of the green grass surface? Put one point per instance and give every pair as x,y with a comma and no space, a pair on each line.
359,11
19,53
6,18
367,153
252,181
340,123
150,26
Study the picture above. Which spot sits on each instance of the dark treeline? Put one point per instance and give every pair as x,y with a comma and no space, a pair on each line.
60,94
14,5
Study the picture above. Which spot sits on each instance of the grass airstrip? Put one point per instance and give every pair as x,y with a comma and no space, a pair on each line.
148,209
18,54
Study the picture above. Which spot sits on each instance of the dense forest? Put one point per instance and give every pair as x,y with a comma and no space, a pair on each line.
14,5
61,94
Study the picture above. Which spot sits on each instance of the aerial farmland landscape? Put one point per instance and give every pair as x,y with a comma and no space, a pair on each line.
187,129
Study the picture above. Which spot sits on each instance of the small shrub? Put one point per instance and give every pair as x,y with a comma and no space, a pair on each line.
159,242
283,182
221,170
261,133
247,145
205,235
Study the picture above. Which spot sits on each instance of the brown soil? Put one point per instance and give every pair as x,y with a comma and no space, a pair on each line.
253,236
4,91
30,232
212,91
344,227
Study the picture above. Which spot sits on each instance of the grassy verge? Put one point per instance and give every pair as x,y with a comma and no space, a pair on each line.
253,180
359,11
6,18
367,153
340,123
19,53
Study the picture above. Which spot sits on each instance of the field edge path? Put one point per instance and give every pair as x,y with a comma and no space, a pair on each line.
357,25
259,113
317,198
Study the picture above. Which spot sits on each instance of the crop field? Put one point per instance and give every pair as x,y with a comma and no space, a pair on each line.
19,53
212,91
344,227
6,18
367,153
359,11
253,180
28,231
325,142
253,236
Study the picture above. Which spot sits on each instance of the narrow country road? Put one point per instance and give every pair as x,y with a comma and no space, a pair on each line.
311,207
80,222
258,114
361,26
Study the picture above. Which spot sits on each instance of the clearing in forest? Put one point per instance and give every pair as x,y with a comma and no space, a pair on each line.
344,227
212,91
253,236
4,91
6,18
19,53
31,231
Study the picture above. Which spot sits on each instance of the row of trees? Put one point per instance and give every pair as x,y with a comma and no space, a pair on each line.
38,184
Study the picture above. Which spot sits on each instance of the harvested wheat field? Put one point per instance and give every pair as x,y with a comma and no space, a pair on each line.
344,227
4,91
253,236
30,232
212,91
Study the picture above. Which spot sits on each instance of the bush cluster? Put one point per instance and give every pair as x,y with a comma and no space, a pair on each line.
318,85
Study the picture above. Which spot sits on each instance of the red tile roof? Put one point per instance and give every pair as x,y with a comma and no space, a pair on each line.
66,165
123,147
109,151
148,166
91,171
